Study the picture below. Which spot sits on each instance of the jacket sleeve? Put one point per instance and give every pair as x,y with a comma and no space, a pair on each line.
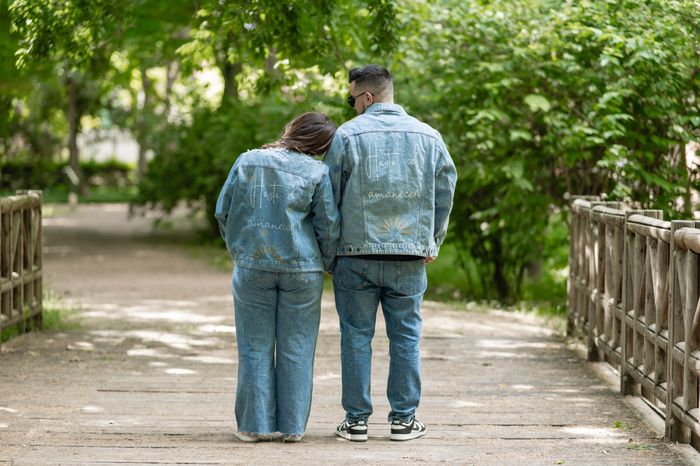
337,166
223,203
445,181
326,221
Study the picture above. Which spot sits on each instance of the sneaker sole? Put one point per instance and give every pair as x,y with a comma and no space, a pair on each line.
246,438
352,437
404,437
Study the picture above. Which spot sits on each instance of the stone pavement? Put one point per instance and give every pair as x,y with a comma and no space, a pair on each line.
149,377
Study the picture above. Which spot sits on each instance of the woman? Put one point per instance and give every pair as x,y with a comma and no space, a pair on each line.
277,215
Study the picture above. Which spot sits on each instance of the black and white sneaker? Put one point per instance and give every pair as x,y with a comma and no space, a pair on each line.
408,430
354,431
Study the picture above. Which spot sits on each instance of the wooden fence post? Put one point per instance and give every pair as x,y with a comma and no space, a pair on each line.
633,343
579,251
34,263
596,279
3,295
676,363
21,261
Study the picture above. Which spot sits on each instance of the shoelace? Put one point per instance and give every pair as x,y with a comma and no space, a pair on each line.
346,425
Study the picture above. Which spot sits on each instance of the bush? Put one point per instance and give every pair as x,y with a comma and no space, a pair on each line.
539,98
193,160
48,175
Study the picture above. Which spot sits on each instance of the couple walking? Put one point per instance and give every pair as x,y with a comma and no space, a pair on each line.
372,215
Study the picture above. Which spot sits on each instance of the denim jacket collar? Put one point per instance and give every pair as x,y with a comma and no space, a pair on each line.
381,107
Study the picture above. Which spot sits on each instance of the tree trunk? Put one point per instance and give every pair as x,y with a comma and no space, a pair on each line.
76,177
688,156
173,68
499,277
143,126
270,62
230,71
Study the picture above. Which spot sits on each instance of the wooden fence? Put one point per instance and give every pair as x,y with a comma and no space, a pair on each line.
20,261
633,297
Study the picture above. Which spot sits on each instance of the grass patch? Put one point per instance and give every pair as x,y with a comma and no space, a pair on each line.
99,194
622,425
553,318
639,446
8,333
446,277
544,296
56,317
211,252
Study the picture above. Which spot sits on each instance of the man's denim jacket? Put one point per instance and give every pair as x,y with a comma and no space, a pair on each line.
394,181
276,212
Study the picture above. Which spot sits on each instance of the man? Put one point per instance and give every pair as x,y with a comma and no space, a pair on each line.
394,181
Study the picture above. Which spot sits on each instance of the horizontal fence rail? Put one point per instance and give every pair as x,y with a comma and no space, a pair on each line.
633,297
21,260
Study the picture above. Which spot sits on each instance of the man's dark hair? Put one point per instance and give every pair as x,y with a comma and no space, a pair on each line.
374,77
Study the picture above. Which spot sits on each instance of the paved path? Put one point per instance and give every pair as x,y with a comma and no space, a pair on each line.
150,377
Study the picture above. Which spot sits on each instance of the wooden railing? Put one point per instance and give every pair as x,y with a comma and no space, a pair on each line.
633,297
20,261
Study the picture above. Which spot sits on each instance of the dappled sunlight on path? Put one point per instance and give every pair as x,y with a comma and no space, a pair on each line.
149,376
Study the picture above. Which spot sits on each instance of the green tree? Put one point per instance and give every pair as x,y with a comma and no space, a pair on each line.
538,98
273,58
156,30
31,128
79,38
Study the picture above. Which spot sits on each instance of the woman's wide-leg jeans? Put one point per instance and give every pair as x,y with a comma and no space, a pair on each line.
277,321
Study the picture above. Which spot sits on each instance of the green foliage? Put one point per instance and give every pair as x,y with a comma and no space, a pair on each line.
74,30
447,279
42,174
535,99
272,57
302,33
194,159
541,98
8,333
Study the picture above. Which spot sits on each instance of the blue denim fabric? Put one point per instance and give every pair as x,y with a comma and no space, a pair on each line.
277,320
360,285
394,181
276,212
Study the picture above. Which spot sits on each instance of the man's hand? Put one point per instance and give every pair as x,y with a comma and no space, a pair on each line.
429,259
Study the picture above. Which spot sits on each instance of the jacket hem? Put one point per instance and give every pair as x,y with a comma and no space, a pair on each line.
355,249
278,266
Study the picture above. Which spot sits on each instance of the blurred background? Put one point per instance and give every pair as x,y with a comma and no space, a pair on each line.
150,102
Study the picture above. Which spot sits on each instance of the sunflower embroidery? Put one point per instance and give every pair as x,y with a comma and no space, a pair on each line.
396,226
267,252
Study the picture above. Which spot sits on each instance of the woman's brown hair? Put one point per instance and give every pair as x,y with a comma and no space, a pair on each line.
309,133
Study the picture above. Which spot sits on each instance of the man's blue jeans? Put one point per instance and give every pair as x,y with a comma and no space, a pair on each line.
277,320
360,285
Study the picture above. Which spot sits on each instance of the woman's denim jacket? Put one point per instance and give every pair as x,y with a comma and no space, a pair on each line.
394,181
276,212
